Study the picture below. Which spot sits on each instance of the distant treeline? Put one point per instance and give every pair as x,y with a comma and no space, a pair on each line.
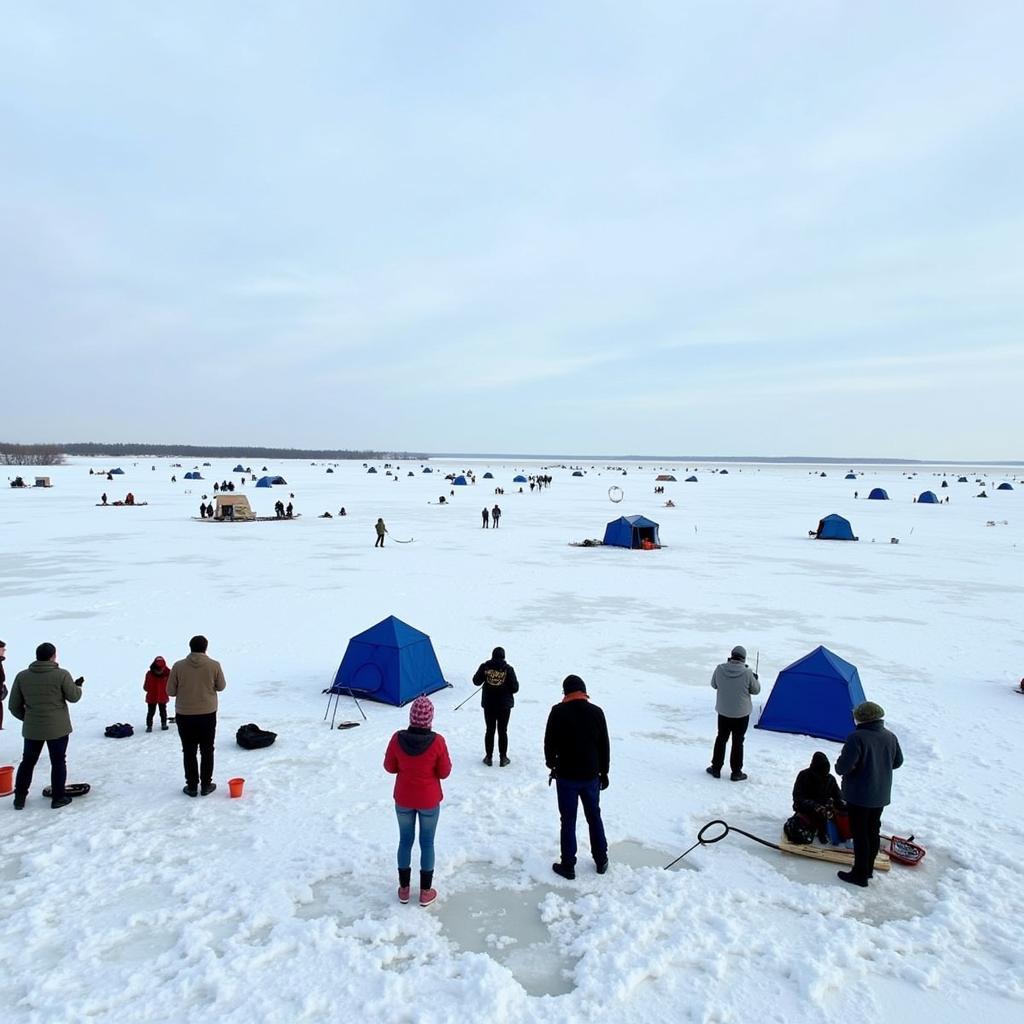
30,454
115,451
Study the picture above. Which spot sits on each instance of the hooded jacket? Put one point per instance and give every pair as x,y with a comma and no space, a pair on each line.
155,683
39,698
815,786
194,683
869,756
419,757
735,682
576,744
498,681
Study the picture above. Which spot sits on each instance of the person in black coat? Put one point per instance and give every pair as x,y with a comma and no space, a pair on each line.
497,697
577,751
869,756
816,794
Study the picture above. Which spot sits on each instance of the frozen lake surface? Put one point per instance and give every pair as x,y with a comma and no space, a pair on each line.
138,904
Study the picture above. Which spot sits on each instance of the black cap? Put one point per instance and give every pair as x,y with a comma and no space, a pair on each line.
498,654
573,684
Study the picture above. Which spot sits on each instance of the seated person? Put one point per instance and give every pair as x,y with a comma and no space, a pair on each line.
816,794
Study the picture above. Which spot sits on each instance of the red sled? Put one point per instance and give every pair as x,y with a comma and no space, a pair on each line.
905,851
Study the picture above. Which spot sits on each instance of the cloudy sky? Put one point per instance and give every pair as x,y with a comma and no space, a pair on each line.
766,228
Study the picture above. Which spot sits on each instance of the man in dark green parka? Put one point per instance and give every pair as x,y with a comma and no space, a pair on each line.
39,699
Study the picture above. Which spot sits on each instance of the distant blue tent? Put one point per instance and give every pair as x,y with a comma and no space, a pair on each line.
1004,486
814,696
835,527
329,470
631,532
520,479
488,476
241,469
823,474
278,480
188,476
372,469
427,469
723,471
690,480
265,481
961,479
460,481
878,494
850,476
577,472
928,498
117,472
390,662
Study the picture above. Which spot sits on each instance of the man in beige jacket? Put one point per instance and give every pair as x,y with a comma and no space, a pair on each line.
194,683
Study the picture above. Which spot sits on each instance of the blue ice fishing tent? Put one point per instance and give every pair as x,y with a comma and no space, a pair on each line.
278,480
238,469
577,472
117,472
520,479
878,494
850,476
427,469
631,532
459,481
1004,486
372,469
390,662
835,527
690,480
927,498
814,696
488,476
265,481
192,475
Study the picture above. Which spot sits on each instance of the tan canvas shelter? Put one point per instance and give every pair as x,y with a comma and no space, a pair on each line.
43,481
232,506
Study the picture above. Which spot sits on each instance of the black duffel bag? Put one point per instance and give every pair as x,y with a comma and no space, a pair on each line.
252,737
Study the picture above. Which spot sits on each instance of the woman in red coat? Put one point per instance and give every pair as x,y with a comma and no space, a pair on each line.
155,686
419,757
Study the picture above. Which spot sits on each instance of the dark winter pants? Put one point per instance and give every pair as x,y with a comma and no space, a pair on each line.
151,712
864,825
197,732
58,750
379,542
496,717
589,794
737,729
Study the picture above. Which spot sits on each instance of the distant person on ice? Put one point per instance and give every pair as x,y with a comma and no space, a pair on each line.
381,530
577,751
419,758
155,686
495,515
194,683
3,681
39,700
735,682
816,794
869,757
497,698
485,516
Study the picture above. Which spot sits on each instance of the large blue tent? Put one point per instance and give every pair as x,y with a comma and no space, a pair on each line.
878,494
631,532
265,481
488,476
519,479
390,662
834,527
459,481
928,498
1004,486
814,696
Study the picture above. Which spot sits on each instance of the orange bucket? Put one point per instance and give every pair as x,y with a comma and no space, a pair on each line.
6,779
235,787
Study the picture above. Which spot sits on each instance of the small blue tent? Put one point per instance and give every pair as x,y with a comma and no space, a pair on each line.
459,481
631,532
117,472
814,696
520,479
850,476
427,469
238,469
961,479
488,476
265,481
372,469
927,498
390,662
193,475
1004,486
878,494
690,480
278,480
577,472
835,527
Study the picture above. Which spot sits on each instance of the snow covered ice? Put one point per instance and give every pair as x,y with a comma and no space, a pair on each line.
136,903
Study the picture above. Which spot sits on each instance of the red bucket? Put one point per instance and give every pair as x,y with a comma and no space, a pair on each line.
235,787
6,779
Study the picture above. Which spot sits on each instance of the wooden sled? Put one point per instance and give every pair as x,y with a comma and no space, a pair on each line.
122,504
833,854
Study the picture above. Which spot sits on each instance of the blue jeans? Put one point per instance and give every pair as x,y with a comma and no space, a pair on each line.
407,830
571,791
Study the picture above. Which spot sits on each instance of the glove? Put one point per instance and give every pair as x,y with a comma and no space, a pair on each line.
604,781
80,681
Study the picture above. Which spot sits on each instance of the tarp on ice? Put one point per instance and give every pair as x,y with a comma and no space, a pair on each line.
391,662
878,494
834,527
631,532
814,696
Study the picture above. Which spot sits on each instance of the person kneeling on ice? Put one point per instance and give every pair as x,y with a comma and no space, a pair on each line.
419,758
816,794
869,756
577,751
155,685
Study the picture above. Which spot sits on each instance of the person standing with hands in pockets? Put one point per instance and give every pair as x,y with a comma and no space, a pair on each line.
735,683
497,698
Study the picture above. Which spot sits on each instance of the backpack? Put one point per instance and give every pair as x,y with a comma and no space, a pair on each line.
118,730
252,737
799,830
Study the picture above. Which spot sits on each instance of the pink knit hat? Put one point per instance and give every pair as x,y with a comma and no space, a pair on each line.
421,713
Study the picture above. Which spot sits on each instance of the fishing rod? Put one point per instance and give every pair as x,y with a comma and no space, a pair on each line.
457,706
726,829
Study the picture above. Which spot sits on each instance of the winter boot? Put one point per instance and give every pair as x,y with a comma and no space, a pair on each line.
738,776
849,876
404,878
565,870
63,801
504,761
714,772
427,893
207,788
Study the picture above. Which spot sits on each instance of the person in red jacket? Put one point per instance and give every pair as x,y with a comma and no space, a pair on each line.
155,686
419,757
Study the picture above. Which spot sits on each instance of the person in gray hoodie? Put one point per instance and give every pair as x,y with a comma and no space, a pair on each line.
735,682
869,757
39,698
